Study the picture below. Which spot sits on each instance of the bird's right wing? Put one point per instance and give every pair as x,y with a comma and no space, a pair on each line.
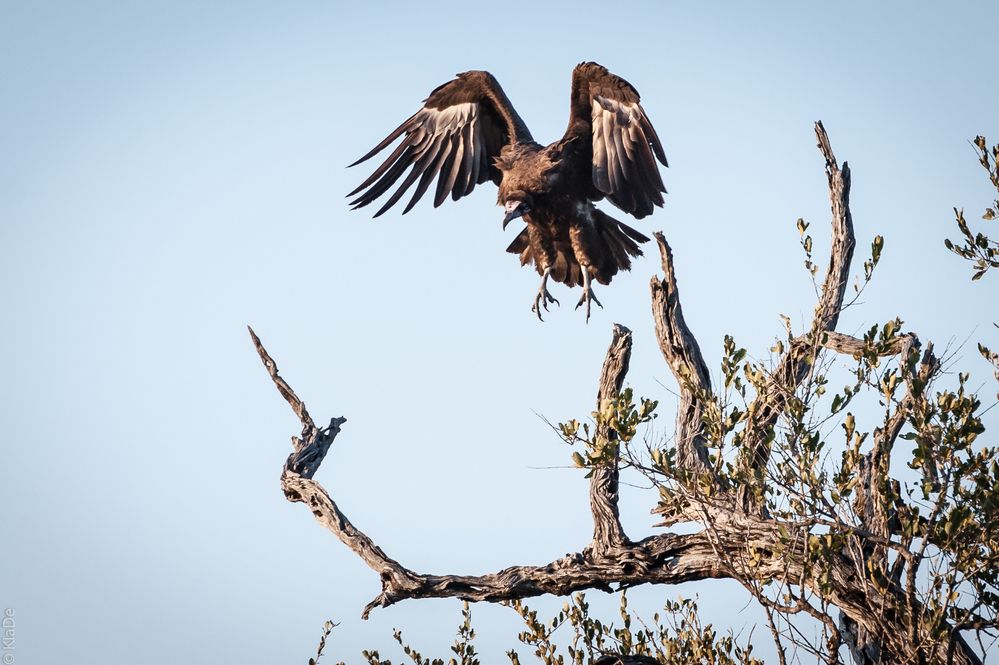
455,137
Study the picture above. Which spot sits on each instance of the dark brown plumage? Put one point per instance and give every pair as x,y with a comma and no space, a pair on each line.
468,132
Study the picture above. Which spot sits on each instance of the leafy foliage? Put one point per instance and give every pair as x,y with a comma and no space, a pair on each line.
877,499
978,248
328,627
930,542
616,422
676,637
463,648
926,544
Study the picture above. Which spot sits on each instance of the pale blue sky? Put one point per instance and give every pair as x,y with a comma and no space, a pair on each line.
172,171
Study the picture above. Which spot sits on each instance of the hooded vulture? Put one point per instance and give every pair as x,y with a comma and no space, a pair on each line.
468,132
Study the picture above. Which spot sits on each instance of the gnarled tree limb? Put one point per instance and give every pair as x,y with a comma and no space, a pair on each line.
683,355
607,530
308,454
869,505
732,528
852,346
794,364
610,559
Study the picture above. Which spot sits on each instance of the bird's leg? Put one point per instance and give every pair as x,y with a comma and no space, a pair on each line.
588,294
543,297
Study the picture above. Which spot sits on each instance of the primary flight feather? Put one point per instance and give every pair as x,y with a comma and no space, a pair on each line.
468,132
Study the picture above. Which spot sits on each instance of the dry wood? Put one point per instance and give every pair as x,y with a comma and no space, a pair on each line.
794,364
607,530
683,355
731,527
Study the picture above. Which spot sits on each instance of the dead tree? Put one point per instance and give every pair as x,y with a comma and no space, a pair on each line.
852,561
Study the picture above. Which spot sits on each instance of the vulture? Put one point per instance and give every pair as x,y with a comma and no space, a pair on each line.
468,132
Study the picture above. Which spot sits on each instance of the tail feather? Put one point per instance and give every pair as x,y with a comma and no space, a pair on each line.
632,233
522,245
607,246
620,244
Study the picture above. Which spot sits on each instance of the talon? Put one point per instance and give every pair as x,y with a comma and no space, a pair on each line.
537,310
543,297
542,300
587,296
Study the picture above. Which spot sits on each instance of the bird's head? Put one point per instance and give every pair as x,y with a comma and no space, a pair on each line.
516,205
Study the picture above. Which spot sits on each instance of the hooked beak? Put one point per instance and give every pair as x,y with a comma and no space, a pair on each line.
514,209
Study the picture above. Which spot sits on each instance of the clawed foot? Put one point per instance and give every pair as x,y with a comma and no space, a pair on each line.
542,300
587,296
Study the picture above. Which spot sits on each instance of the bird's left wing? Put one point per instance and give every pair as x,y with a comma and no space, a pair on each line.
455,137
610,127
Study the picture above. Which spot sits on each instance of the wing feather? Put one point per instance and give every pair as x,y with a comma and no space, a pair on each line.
429,171
386,181
387,140
381,169
454,138
466,179
478,152
419,168
606,112
449,172
397,194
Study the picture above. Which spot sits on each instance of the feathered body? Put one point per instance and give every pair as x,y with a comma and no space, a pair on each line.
564,234
468,132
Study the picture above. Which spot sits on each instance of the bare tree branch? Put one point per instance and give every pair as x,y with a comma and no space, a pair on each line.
683,355
296,480
664,559
607,530
667,558
794,364
852,346
739,540
661,559
869,502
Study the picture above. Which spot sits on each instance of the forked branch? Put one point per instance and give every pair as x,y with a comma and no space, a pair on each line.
735,529
610,560
796,361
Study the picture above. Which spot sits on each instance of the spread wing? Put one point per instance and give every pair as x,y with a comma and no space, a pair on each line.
606,116
461,128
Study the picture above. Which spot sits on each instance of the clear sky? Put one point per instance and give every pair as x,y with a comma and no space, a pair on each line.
171,171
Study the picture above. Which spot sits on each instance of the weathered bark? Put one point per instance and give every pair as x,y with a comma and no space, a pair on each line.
608,533
683,355
796,361
871,624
